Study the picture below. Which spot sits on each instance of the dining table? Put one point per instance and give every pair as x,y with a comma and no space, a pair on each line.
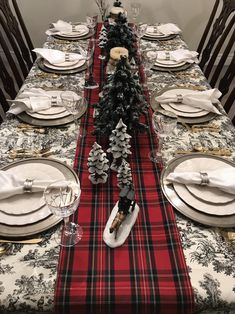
175,260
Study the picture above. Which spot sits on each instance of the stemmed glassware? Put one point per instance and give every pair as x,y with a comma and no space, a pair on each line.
90,82
163,123
135,10
76,105
140,30
62,198
148,58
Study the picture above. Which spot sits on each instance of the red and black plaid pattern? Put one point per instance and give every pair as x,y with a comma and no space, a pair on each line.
147,274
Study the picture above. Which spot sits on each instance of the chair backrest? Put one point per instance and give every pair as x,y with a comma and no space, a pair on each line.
16,56
217,45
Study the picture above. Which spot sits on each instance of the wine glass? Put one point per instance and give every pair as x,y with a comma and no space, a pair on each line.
76,105
91,21
135,10
90,82
140,30
62,198
163,123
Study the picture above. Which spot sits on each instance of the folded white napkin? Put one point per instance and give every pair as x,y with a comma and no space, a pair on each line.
56,56
178,55
34,100
62,27
221,178
11,185
166,29
198,99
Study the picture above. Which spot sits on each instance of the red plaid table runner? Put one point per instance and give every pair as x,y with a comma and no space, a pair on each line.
148,274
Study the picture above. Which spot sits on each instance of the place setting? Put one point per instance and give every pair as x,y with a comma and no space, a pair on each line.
202,187
190,106
46,108
60,62
176,60
23,209
161,32
70,31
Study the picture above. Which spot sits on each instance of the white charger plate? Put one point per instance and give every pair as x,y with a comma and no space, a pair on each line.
62,66
208,194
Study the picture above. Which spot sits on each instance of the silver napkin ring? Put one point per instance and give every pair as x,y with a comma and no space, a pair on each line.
73,28
168,57
53,100
179,98
204,178
66,57
28,184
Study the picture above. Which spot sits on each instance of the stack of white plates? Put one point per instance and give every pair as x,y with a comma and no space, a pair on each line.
208,205
26,214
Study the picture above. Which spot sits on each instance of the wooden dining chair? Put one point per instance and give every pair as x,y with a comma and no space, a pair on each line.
16,57
216,47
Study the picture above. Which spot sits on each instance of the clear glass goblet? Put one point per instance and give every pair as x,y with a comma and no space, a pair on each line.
76,105
148,58
135,10
163,123
62,198
140,30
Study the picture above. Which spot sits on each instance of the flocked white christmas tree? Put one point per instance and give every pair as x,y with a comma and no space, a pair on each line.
97,164
119,145
103,37
124,176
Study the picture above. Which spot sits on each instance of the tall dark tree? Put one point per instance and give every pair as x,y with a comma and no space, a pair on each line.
122,99
120,34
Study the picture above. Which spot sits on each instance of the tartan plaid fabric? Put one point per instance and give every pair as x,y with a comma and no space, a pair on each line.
147,274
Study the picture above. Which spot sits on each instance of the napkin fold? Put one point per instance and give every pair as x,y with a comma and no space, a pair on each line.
62,27
34,100
198,99
178,55
56,56
166,29
222,178
11,185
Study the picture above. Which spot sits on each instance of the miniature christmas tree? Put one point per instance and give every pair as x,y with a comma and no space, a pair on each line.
119,145
124,174
122,99
97,165
120,34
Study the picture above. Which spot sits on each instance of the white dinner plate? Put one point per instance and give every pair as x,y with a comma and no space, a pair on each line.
205,193
27,203
84,31
169,63
38,115
155,34
62,66
188,111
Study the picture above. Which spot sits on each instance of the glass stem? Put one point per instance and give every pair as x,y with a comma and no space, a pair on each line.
66,225
76,125
160,145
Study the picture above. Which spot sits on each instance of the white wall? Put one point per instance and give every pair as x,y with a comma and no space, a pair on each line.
190,15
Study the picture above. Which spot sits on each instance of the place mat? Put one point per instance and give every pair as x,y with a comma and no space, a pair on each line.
148,272
21,231
190,120
43,67
185,208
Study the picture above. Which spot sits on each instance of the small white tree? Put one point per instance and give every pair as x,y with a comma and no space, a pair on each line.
97,164
119,145
124,176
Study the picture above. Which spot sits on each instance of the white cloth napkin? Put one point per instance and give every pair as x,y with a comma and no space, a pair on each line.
56,56
198,99
11,185
221,178
62,27
179,55
166,29
34,100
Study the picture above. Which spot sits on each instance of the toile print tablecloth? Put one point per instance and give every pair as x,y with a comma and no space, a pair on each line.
28,272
